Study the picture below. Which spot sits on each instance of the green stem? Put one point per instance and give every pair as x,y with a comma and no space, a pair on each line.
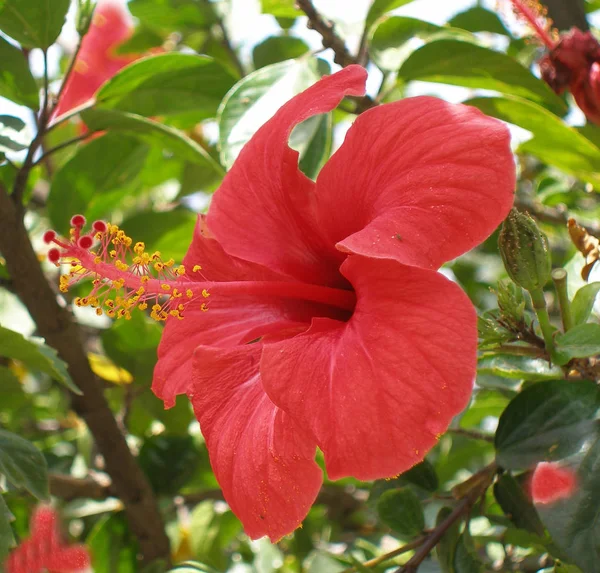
559,276
539,305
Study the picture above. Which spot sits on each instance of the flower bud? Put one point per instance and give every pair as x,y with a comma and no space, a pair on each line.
85,13
524,250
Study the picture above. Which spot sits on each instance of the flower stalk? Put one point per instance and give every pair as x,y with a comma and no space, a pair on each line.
559,277
541,311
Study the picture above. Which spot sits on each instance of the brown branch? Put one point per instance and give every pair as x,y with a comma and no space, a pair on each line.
55,324
476,435
327,31
69,488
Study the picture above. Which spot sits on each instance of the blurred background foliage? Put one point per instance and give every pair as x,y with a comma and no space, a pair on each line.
170,126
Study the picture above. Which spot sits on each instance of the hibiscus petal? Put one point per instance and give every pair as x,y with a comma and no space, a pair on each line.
377,391
419,180
263,211
262,460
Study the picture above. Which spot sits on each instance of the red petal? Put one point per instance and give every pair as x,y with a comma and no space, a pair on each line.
419,180
378,390
262,460
550,482
263,211
68,560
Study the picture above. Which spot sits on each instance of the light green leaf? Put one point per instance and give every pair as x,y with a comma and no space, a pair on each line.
547,421
168,16
23,464
113,548
281,8
14,134
255,99
16,82
103,168
33,23
380,7
35,355
554,142
278,49
478,19
583,302
167,84
581,341
460,63
518,367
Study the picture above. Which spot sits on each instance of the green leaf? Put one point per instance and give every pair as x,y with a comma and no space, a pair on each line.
23,465
518,367
460,63
169,232
380,7
14,134
318,147
34,24
422,475
278,49
7,538
583,302
113,547
478,19
581,341
401,510
516,505
546,421
16,82
446,548
388,46
192,567
255,99
554,142
466,560
152,132
35,355
169,16
103,168
167,84
280,8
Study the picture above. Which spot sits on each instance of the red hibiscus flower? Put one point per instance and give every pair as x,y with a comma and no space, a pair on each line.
97,60
43,551
328,324
550,482
572,62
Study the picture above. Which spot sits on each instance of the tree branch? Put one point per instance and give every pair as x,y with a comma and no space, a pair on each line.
54,323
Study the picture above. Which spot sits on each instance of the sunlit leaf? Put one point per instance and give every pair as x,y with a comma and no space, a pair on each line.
16,82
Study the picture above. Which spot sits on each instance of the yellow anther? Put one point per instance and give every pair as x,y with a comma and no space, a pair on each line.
99,311
176,293
181,307
155,255
140,291
137,260
77,301
189,293
109,303
63,288
174,313
156,307
180,270
203,307
145,279
128,241
113,254
159,266
165,287
143,306
119,283
139,248
170,263
97,260
196,268
127,315
110,313
121,265
96,282
205,293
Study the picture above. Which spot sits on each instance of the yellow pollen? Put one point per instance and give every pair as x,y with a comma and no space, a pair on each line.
180,270
155,255
189,293
203,307
143,306
165,287
196,268
170,263
139,248
140,291
97,260
144,279
205,293
159,266
99,311
113,254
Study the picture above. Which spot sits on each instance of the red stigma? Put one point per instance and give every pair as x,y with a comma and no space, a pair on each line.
49,236
99,226
54,255
85,242
77,221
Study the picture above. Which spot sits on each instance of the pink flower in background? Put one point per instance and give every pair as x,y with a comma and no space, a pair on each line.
98,60
311,314
43,550
551,482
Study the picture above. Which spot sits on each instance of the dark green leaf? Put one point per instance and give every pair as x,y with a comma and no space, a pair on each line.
278,49
35,355
253,101
23,464
143,40
466,64
152,132
388,46
583,302
319,146
112,546
422,475
380,7
13,134
169,232
465,560
581,341
105,167
167,84
518,367
478,19
34,24
7,538
546,421
173,15
554,141
281,8
446,548
516,504
16,82
401,510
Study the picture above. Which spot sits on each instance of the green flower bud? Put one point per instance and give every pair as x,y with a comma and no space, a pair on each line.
524,250
85,13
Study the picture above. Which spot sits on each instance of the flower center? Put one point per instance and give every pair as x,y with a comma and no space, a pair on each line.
124,277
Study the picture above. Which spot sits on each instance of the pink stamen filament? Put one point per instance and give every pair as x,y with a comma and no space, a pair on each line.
534,21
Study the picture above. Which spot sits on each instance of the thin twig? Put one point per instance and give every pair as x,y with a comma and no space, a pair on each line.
226,43
472,434
62,146
390,555
327,31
